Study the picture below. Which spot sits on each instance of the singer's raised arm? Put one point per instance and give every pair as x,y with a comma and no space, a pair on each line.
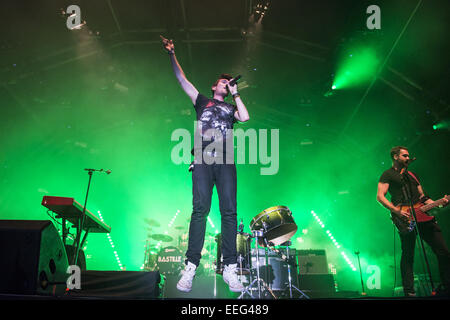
188,88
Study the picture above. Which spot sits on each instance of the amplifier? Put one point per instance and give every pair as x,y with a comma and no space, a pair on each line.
312,261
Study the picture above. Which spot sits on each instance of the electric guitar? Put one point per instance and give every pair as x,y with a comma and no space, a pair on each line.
405,225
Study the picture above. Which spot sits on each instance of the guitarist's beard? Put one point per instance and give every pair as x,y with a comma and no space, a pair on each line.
401,166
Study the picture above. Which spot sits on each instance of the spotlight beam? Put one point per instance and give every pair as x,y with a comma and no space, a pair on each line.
374,79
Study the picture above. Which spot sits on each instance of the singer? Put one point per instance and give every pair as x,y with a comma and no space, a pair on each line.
215,121
402,184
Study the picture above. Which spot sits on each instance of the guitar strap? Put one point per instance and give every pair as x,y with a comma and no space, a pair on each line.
425,197
412,175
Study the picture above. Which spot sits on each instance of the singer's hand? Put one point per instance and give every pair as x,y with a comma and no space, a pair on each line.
232,89
167,44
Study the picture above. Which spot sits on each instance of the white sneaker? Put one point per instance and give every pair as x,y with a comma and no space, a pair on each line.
230,278
188,274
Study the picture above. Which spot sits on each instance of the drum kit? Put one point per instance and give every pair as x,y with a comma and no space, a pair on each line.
271,231
167,259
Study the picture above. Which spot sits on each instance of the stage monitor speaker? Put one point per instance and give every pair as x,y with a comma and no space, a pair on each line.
312,261
33,258
317,285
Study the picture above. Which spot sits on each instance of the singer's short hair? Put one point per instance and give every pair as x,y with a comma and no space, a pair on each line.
396,151
222,76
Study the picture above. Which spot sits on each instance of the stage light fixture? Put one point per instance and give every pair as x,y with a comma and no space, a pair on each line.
112,244
336,244
442,125
260,10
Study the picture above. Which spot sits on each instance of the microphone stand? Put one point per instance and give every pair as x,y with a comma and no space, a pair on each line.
360,273
407,192
83,215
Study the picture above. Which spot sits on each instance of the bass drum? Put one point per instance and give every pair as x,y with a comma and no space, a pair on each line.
274,271
277,224
244,263
170,261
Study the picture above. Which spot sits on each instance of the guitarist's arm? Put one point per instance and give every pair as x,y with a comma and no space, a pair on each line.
381,198
429,200
422,195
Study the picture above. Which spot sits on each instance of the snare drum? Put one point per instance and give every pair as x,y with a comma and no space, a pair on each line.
277,224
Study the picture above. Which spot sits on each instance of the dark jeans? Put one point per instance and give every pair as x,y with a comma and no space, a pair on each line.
432,235
204,176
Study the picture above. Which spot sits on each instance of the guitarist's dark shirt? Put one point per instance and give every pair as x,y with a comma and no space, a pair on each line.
394,178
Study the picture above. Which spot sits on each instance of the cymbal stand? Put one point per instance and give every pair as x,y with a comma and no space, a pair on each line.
257,234
147,255
302,294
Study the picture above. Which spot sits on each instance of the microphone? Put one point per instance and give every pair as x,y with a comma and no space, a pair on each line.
241,226
411,160
234,81
99,170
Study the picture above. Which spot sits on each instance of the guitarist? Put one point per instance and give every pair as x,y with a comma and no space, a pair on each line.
397,182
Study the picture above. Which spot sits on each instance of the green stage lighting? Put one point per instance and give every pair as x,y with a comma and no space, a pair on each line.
356,68
441,125
337,245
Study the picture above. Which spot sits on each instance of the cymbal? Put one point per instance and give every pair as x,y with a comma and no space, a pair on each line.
180,228
161,237
152,222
